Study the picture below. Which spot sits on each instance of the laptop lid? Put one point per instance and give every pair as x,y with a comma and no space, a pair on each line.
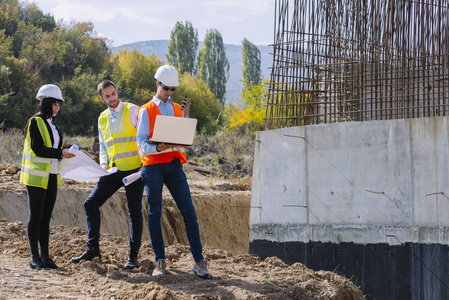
174,130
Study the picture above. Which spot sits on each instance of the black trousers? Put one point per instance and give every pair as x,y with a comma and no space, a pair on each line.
40,203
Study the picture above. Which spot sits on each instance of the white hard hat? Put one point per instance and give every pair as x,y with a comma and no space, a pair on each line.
167,75
49,91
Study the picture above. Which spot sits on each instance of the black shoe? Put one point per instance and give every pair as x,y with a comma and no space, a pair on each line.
49,263
36,264
89,254
132,260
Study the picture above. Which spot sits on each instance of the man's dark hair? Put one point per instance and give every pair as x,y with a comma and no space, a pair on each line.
104,84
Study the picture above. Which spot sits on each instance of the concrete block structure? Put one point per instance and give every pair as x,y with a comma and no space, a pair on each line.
368,200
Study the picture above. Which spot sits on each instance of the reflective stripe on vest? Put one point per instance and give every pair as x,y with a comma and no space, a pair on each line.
168,155
121,141
35,169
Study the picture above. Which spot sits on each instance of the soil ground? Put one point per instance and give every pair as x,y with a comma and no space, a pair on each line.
235,274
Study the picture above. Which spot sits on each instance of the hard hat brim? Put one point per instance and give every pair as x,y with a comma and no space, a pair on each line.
41,97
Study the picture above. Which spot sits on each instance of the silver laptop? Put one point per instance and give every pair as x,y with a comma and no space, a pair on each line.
174,130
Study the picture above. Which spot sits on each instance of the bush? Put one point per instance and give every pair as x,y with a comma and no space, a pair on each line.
224,150
11,146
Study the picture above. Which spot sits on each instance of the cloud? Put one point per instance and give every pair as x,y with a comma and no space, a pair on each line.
152,12
129,21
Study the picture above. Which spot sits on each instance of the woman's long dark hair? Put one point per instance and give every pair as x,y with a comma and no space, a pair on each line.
45,108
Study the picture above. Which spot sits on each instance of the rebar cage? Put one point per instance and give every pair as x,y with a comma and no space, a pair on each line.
358,60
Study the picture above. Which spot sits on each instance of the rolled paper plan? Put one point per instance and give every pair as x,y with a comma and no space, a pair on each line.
131,178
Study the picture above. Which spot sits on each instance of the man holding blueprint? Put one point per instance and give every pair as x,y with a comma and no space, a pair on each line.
162,164
117,137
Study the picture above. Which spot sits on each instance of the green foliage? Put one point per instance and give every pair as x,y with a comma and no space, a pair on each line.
14,86
18,20
251,65
79,113
251,116
183,47
59,53
31,14
34,50
134,74
237,147
212,64
287,93
204,106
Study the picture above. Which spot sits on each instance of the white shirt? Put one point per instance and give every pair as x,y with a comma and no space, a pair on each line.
56,139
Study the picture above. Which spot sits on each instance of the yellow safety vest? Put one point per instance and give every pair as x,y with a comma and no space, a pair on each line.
35,169
121,141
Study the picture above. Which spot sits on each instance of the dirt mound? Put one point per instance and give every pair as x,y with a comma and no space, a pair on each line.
223,213
233,276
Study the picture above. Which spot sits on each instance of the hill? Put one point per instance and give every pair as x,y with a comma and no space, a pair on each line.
233,53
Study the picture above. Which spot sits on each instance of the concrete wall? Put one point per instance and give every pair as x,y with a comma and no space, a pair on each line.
362,183
368,181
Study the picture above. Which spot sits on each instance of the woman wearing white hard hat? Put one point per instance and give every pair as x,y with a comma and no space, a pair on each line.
42,152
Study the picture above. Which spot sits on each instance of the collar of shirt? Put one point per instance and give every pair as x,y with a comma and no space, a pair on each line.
50,121
158,101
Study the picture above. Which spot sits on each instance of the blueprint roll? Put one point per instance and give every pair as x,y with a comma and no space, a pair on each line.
131,178
73,148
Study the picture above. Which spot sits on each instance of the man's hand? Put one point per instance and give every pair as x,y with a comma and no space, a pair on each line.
161,147
185,106
105,166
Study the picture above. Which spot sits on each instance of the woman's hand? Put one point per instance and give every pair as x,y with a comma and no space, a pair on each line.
67,154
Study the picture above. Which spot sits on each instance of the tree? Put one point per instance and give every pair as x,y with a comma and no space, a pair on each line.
31,14
251,116
204,106
82,106
183,47
134,74
251,65
213,65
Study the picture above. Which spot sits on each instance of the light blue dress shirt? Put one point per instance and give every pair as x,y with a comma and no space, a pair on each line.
143,125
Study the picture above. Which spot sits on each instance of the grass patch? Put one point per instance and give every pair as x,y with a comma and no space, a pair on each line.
11,145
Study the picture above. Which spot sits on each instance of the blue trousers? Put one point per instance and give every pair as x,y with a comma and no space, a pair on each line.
103,190
173,176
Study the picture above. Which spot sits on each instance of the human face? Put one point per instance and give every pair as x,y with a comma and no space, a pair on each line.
163,91
109,95
56,106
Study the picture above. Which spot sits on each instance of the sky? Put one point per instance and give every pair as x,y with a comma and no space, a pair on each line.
125,22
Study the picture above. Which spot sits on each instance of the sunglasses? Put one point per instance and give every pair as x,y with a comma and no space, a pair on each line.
166,88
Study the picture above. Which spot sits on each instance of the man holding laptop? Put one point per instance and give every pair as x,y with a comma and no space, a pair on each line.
162,164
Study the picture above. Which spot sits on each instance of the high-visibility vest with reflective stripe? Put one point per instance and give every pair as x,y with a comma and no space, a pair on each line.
168,155
121,141
36,169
